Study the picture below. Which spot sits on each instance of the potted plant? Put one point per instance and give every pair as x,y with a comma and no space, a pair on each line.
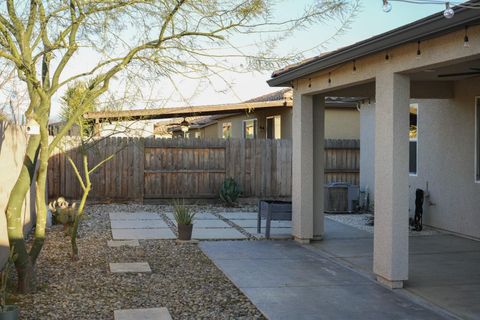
7,311
184,217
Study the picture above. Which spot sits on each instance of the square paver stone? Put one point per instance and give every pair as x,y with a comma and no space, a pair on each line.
129,234
130,267
240,215
142,314
208,224
134,216
253,223
138,224
198,216
122,243
217,233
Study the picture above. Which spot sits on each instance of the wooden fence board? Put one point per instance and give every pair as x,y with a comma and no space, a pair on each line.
194,168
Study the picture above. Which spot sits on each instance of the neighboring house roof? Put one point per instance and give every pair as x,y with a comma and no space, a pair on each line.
181,112
426,28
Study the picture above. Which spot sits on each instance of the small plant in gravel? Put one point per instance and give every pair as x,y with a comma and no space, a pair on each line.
7,311
229,192
63,213
184,216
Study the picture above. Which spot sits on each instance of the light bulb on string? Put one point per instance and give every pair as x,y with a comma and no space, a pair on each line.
466,42
387,6
448,13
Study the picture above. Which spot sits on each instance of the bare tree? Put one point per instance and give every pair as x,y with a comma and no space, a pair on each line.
142,40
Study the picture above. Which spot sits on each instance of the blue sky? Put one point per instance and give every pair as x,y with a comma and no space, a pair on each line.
370,21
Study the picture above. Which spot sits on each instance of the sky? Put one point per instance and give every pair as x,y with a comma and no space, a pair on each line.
370,21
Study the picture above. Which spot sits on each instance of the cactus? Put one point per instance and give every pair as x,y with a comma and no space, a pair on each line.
229,192
63,213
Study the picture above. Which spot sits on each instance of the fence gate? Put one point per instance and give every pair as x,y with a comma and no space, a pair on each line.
177,168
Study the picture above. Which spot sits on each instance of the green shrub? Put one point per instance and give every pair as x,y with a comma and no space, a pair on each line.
229,192
182,213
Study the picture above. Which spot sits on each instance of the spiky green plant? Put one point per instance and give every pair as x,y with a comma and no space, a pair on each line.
182,213
229,192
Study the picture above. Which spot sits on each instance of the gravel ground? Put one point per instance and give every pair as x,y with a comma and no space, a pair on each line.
183,279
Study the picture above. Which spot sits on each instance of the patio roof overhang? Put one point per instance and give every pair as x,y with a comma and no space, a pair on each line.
180,112
423,29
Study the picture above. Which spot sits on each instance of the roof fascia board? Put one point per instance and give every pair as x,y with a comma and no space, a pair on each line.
418,30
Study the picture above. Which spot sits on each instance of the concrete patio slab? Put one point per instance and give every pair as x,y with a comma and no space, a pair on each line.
240,215
287,281
130,267
134,216
443,268
142,314
217,233
275,233
122,243
129,234
137,224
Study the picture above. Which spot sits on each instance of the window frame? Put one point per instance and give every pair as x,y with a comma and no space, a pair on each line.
255,133
416,140
274,117
229,123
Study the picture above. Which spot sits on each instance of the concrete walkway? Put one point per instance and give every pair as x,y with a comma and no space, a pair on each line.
288,281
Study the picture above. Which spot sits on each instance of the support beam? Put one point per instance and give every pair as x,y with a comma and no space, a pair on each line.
390,258
308,168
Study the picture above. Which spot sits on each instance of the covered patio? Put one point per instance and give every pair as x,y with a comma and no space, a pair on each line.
429,62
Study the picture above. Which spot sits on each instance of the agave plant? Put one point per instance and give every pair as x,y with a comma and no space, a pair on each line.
229,192
182,214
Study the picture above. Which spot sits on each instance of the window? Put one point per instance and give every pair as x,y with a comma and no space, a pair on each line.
413,160
250,129
274,128
227,130
477,140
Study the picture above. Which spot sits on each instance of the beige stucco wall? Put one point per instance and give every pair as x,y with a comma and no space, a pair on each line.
342,123
445,159
13,142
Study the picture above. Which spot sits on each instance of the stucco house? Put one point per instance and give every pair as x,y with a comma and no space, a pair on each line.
342,120
419,129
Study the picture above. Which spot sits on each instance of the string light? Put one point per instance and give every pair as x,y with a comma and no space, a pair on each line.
329,78
354,66
419,52
448,13
466,42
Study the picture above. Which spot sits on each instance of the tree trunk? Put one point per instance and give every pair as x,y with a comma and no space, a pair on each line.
40,200
23,264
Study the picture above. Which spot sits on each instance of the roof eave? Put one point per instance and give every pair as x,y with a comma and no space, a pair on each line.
419,30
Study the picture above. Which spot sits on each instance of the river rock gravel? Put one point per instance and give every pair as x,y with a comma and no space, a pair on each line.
183,279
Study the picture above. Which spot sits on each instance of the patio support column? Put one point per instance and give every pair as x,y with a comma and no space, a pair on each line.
390,253
307,168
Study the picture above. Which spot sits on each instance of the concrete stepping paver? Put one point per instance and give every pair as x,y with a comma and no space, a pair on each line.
253,223
134,216
198,216
142,314
129,267
209,224
122,243
240,215
217,233
137,224
129,234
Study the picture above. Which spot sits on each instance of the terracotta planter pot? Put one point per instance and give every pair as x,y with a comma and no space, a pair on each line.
9,312
185,231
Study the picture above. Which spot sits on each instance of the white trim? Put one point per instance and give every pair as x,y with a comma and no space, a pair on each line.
414,105
476,168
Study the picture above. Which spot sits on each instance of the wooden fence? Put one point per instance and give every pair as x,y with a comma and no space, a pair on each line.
192,168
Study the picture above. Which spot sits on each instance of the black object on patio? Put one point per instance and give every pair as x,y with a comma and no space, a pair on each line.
273,210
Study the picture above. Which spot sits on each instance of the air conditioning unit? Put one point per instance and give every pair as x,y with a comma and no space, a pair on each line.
341,197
